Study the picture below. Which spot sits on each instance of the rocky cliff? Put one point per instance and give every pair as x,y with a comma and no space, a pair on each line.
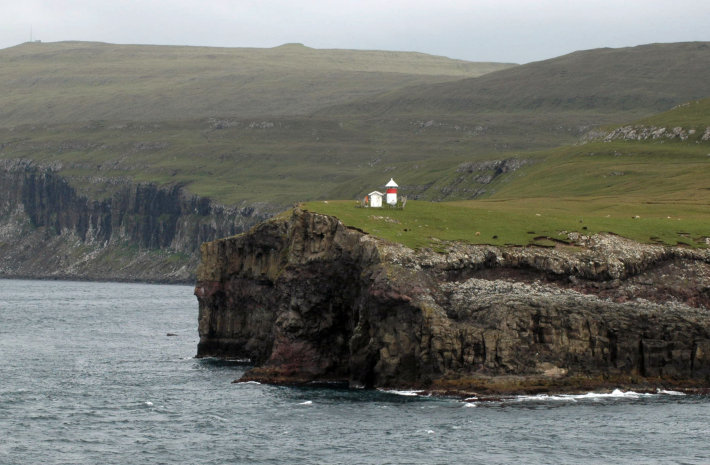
137,232
306,299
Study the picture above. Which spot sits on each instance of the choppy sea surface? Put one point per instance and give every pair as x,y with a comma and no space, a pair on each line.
89,375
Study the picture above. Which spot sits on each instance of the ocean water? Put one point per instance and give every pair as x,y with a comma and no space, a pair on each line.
88,375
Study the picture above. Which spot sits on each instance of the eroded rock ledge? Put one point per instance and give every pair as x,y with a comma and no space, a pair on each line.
306,299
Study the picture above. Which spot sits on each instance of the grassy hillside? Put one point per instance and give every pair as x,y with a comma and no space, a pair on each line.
692,115
646,191
230,160
643,171
287,160
663,170
655,191
67,82
555,100
279,160
647,78
666,167
465,152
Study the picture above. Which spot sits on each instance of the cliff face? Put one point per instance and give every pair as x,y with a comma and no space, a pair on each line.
140,232
308,300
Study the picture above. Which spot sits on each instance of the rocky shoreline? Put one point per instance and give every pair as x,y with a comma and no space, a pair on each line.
308,300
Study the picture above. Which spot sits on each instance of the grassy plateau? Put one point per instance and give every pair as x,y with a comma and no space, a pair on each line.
535,221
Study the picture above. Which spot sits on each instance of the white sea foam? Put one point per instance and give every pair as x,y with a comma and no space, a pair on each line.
401,393
469,405
250,382
148,403
615,394
670,393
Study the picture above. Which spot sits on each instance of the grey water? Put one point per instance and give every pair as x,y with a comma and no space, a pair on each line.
89,375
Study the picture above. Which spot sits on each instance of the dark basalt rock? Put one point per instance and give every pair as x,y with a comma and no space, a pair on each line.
137,232
307,299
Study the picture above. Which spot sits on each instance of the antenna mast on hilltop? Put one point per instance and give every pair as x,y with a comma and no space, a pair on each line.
32,38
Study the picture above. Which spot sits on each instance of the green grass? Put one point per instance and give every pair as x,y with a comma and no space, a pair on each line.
694,114
304,158
152,114
80,81
541,221
296,159
649,191
651,78
632,171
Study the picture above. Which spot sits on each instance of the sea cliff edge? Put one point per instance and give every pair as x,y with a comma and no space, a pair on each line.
306,299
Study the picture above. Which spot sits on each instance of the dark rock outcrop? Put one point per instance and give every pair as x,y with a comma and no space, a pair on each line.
650,133
135,232
306,299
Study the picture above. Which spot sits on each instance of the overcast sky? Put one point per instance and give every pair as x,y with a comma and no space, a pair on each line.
478,30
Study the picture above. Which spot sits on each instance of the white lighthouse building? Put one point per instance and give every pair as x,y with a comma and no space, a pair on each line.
391,193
